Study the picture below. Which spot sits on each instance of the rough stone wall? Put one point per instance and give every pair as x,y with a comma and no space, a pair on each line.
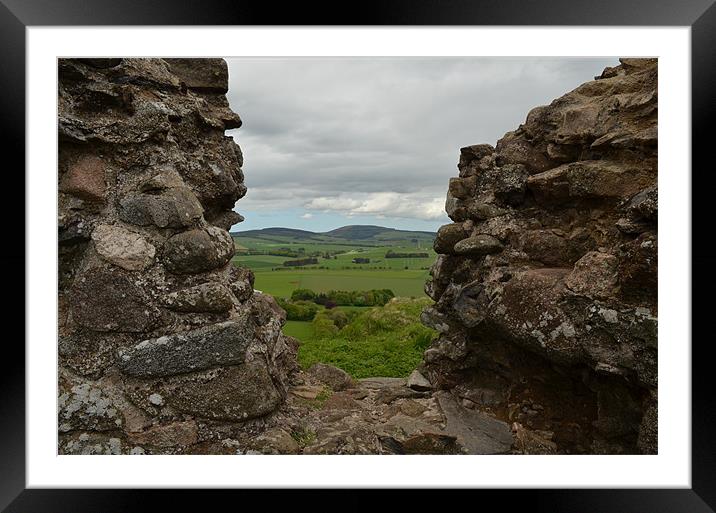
546,283
164,346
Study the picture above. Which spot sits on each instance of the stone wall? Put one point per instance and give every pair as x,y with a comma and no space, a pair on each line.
546,283
164,346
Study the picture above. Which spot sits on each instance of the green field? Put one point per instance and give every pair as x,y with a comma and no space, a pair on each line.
406,283
301,330
404,276
340,260
378,341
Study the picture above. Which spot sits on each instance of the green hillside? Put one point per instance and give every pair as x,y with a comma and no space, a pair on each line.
348,258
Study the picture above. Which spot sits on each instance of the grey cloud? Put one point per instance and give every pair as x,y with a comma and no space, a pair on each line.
350,128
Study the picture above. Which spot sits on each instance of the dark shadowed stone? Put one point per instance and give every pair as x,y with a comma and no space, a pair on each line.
645,204
102,63
430,443
462,188
242,283
197,251
475,152
207,297
648,440
336,378
470,304
90,353
481,211
420,443
173,208
478,245
549,248
217,344
638,269
447,236
511,184
529,442
242,290
109,300
232,394
477,432
204,75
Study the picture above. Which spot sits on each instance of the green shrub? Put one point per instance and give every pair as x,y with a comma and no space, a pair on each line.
298,310
303,294
380,341
323,326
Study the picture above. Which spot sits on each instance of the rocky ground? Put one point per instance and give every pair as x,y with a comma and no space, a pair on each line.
327,412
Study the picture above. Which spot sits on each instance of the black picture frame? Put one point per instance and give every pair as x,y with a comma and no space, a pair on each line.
699,15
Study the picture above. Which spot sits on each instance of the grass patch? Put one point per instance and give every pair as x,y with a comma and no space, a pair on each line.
406,282
380,341
303,436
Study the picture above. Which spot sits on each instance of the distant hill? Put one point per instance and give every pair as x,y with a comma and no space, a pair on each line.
352,233
276,232
371,232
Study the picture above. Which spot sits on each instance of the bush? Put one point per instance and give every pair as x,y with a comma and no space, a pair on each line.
339,317
300,262
393,254
298,310
323,326
303,294
374,297
381,341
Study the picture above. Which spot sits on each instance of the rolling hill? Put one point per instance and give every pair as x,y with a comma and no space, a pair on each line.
364,234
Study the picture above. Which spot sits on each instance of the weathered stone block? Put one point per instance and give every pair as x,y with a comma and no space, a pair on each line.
230,394
214,345
173,208
85,179
594,275
447,236
123,247
209,297
197,251
106,300
203,75
478,245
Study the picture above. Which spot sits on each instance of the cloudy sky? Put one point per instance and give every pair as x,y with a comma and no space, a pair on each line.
334,141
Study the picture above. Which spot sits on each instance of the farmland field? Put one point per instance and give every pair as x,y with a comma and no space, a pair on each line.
381,340
404,276
406,283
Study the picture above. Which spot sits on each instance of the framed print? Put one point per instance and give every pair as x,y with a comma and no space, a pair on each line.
416,247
